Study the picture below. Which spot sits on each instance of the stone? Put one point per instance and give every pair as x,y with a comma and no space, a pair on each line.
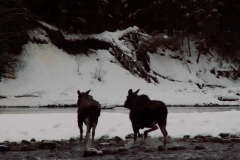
27,148
123,149
6,142
161,148
225,141
175,148
200,147
129,136
186,136
215,139
4,148
92,152
33,140
106,151
224,135
199,136
25,142
234,136
47,145
104,138
73,139
237,140
117,139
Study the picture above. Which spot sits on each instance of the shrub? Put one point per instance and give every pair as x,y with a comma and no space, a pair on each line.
99,73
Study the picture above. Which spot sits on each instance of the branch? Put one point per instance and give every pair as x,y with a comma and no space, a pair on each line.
31,94
66,90
105,107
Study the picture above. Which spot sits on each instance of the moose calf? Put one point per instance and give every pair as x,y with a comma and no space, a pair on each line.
88,113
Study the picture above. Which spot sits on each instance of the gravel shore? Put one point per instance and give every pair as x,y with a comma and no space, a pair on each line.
104,148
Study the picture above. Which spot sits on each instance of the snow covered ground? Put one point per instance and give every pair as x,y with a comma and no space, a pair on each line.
57,126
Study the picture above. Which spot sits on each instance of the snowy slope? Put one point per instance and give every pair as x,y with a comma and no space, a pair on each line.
54,76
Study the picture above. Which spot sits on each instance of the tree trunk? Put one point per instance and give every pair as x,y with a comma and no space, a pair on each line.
183,36
189,48
199,53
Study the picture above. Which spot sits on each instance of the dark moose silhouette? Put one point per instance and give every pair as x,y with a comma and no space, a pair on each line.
88,113
146,113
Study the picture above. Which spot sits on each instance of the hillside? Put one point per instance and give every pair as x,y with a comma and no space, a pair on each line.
48,75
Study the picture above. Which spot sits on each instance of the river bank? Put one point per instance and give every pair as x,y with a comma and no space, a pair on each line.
199,147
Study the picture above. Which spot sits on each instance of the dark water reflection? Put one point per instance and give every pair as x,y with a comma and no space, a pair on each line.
115,110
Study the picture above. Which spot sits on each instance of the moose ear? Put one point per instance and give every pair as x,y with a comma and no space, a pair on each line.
78,92
136,91
88,91
130,91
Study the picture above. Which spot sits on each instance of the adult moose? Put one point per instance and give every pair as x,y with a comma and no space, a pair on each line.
88,113
146,113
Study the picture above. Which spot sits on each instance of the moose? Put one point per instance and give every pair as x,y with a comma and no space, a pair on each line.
88,113
146,113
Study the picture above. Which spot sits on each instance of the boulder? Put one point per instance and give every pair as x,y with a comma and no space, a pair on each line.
215,139
92,152
224,135
186,136
234,136
4,148
225,141
25,142
106,151
237,140
123,149
199,136
117,139
73,139
129,136
104,137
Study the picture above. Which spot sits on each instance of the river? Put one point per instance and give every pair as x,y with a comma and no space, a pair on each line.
36,110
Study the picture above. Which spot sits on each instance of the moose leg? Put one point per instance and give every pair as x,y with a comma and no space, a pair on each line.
80,125
88,128
94,125
164,132
136,131
153,128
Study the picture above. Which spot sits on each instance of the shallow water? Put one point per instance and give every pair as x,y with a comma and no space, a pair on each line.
115,110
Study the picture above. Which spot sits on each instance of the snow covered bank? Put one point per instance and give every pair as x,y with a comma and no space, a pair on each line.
50,76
